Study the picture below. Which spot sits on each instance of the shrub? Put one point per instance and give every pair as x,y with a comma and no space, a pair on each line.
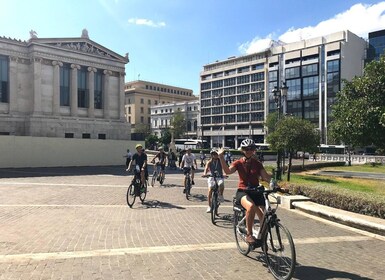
362,203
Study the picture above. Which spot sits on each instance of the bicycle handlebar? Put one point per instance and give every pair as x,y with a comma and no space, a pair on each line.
261,189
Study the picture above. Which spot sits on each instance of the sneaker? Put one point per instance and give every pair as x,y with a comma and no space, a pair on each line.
184,190
208,210
221,198
250,239
192,182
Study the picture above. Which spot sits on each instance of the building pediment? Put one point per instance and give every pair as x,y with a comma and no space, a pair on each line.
82,45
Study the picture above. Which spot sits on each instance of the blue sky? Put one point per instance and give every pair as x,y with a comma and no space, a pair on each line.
169,41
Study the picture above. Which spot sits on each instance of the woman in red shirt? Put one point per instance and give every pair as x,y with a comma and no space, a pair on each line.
249,171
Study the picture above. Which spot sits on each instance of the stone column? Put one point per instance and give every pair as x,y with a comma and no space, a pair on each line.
56,87
74,90
106,89
37,85
13,90
91,89
121,95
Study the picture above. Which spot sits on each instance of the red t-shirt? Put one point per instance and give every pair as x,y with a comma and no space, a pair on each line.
249,172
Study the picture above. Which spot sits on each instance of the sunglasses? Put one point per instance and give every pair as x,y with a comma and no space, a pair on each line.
249,149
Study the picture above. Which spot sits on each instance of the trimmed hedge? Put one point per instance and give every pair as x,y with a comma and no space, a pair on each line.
362,203
317,165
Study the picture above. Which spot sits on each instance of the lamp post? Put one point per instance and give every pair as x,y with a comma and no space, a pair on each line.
278,94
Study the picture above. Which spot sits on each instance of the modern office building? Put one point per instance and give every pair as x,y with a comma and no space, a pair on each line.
141,95
237,93
61,87
161,116
376,45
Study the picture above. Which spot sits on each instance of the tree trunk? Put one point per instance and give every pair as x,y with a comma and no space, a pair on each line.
289,168
303,160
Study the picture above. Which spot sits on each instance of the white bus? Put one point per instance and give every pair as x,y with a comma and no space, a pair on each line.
185,143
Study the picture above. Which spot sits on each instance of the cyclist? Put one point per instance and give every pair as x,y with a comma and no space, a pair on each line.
189,162
140,158
249,171
162,158
212,166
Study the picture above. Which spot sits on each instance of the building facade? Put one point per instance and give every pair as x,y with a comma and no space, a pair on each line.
62,87
161,116
237,93
141,95
376,45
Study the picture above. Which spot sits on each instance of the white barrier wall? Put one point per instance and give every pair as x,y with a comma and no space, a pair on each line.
26,151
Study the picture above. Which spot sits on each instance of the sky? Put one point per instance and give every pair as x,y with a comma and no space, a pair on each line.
169,41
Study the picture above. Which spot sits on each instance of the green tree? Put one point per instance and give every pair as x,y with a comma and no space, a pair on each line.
165,138
271,122
151,140
293,134
359,109
178,123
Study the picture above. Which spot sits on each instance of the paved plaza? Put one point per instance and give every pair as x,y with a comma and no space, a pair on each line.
74,223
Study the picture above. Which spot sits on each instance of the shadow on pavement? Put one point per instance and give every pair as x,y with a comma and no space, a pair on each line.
118,170
197,197
319,273
224,220
160,204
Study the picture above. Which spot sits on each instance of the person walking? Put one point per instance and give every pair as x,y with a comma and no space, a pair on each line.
128,157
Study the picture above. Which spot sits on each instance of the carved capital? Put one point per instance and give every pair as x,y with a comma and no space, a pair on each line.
75,66
57,63
122,74
13,59
37,59
107,72
92,69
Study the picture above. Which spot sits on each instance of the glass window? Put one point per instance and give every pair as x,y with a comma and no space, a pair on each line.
292,72
82,88
294,91
333,66
98,90
311,111
273,76
68,135
101,136
141,101
310,86
4,68
333,83
65,85
310,70
86,135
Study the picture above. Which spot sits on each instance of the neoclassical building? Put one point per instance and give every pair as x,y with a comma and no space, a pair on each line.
62,87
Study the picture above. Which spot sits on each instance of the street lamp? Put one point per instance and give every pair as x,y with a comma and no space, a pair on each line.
278,93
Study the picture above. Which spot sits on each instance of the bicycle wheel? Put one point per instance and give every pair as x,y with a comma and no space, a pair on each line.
161,179
214,206
143,191
130,197
187,187
240,233
279,250
154,175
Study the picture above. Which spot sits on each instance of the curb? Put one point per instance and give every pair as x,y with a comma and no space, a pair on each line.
359,221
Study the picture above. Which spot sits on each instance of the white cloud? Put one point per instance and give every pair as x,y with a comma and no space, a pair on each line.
359,19
147,22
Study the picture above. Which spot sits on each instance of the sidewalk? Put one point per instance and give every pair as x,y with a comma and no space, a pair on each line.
363,222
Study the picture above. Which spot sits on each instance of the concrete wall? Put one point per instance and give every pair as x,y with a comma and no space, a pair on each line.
25,151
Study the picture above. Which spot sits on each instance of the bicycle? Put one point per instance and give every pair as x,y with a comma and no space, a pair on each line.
157,175
136,188
275,239
187,181
214,197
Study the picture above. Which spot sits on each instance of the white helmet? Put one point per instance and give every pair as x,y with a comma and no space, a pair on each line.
247,143
214,150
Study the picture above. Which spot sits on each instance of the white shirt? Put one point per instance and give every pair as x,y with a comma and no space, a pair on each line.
188,160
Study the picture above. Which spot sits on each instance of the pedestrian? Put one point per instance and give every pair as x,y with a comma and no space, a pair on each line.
228,158
203,158
181,153
128,157
314,157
